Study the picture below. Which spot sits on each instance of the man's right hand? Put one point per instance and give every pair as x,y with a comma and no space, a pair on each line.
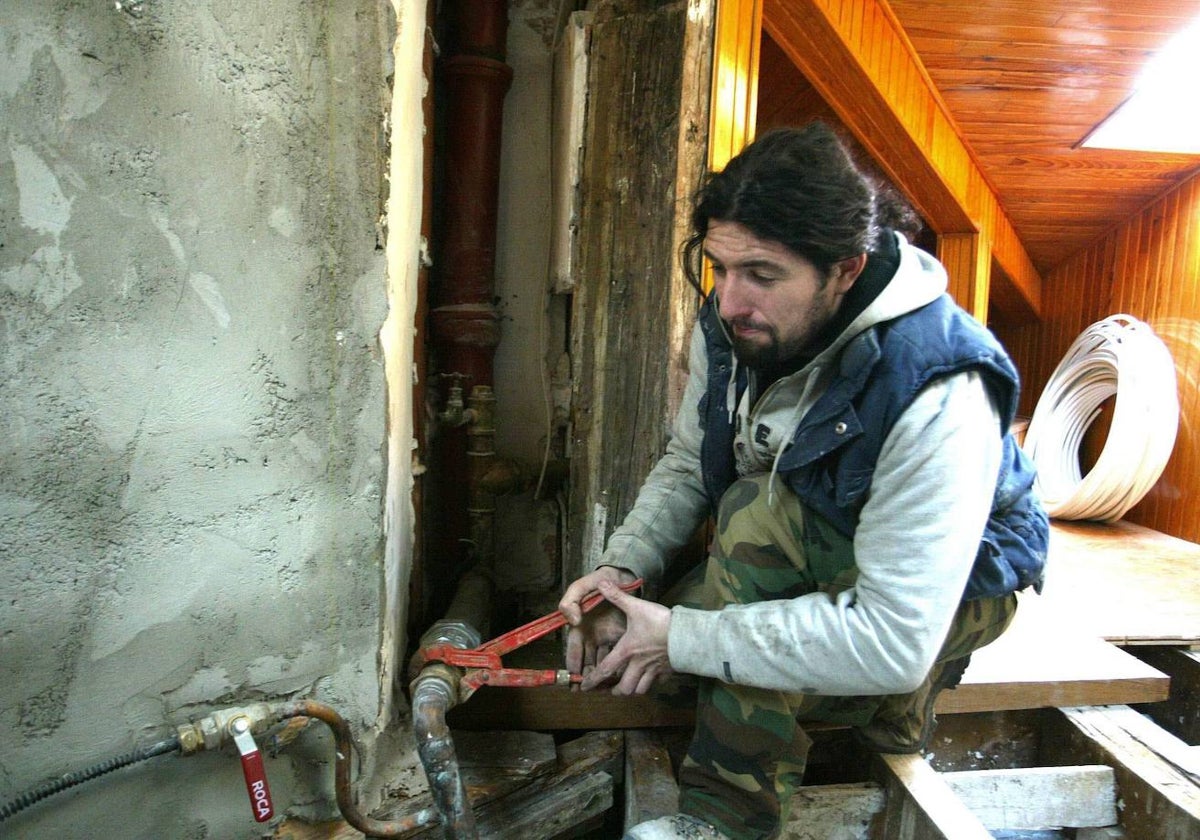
592,636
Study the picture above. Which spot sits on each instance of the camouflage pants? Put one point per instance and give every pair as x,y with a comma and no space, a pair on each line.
748,752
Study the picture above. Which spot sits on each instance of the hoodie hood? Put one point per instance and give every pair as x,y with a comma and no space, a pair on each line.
919,279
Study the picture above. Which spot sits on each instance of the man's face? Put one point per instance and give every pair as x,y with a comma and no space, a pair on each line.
773,300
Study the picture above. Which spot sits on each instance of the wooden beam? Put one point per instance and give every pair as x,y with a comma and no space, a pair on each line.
1180,713
921,806
555,708
1159,800
650,787
623,306
857,55
697,108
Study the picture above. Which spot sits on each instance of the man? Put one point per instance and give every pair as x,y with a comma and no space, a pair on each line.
846,424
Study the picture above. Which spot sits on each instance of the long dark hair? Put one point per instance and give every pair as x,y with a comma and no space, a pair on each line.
798,187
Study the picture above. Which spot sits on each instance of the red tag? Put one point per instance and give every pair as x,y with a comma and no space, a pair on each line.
253,770
256,786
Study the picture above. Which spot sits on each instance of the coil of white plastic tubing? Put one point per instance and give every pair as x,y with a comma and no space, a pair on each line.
1119,356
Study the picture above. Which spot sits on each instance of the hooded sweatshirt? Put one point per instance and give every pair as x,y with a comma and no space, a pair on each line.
914,546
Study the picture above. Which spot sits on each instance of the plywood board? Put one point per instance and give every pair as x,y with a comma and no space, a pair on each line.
1125,583
1043,660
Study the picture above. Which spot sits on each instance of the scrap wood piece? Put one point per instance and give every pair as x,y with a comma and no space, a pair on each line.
835,812
1157,799
921,806
505,754
1039,798
579,789
546,813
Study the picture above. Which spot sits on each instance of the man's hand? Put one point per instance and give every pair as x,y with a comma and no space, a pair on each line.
639,656
592,636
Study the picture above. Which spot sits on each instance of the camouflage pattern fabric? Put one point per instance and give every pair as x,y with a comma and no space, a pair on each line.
748,753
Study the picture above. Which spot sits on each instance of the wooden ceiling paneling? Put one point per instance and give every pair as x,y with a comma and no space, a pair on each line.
1025,81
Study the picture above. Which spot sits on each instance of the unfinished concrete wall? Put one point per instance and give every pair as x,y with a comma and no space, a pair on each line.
192,458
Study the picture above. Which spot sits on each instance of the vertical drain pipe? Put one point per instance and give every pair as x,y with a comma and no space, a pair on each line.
464,322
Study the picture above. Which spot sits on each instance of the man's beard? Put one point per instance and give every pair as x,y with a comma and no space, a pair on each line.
763,356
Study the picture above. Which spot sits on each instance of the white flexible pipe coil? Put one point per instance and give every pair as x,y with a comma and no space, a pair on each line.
1119,355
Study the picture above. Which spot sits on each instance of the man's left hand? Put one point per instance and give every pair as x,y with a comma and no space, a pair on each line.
640,658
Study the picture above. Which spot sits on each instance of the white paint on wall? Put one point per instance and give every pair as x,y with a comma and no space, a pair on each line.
209,292
404,249
42,204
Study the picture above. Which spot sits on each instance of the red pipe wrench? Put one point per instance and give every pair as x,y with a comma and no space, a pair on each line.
482,665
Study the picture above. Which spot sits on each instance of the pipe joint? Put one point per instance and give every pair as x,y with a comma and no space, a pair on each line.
215,729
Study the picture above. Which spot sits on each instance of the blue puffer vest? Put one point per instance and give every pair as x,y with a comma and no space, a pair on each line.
834,450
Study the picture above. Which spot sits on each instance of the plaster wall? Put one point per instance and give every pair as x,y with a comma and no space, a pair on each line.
193,446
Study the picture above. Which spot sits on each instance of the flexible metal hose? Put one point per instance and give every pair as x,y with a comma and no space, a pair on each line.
70,780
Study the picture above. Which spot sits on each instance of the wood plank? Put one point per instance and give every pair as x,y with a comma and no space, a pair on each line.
1042,661
561,708
921,806
1038,798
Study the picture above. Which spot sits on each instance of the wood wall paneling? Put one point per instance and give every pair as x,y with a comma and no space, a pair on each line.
1026,82
860,60
1149,268
735,79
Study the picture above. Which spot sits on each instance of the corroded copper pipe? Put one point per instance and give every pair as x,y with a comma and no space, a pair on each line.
344,750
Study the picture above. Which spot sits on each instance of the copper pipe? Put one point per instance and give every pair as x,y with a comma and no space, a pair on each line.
343,750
